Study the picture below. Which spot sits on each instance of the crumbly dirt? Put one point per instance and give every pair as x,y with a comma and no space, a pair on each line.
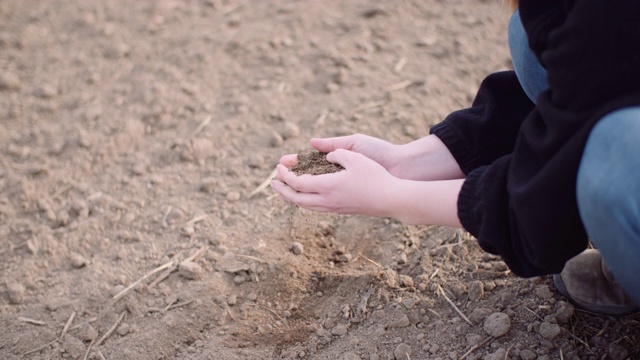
314,163
137,134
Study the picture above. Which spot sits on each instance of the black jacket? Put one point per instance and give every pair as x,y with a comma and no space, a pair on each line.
521,160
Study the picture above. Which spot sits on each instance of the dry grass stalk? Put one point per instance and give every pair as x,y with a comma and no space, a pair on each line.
122,293
174,306
86,354
67,325
454,305
475,347
111,330
40,348
201,127
100,355
263,185
31,321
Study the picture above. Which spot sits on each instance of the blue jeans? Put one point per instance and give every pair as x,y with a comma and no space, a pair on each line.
608,183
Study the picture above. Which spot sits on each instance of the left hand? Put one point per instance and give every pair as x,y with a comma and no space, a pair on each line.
363,187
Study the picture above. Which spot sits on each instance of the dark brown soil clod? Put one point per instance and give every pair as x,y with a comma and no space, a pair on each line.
315,163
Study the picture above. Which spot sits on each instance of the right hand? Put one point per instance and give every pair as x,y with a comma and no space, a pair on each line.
423,159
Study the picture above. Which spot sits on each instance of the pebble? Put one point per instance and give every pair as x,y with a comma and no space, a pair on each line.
87,332
563,312
239,279
232,299
123,329
253,296
617,352
543,292
499,354
46,91
297,248
528,355
351,356
497,324
549,331
402,352
190,270
289,130
406,281
116,290
473,339
77,260
344,258
399,320
187,231
209,185
15,293
339,330
233,196
9,82
74,347
476,290
276,140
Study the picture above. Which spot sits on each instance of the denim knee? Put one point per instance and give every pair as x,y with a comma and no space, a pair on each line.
608,192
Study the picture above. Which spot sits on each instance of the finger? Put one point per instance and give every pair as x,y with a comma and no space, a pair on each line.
330,144
303,183
305,200
289,160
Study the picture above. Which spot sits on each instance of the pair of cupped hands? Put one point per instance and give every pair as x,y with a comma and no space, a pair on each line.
375,174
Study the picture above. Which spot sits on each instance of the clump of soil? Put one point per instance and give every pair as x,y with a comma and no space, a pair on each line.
315,163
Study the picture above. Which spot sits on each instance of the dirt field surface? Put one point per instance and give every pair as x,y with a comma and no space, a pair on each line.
136,142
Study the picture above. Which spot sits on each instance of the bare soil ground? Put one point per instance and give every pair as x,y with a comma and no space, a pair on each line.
135,135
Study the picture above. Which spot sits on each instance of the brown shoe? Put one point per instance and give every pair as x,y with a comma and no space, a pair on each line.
587,283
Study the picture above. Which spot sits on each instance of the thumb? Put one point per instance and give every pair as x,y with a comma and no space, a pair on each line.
344,157
328,145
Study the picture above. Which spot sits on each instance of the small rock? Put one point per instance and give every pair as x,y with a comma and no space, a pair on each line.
497,324
253,296
209,185
499,354
239,279
289,130
342,258
406,281
617,352
73,346
87,332
46,91
351,356
233,196
339,330
398,320
527,354
476,290
473,339
403,259
297,248
232,299
402,352
564,312
15,293
187,231
543,292
276,140
77,261
549,331
9,82
190,270
123,329
409,303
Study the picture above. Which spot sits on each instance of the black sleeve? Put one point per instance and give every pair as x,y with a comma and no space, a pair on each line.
488,129
523,206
